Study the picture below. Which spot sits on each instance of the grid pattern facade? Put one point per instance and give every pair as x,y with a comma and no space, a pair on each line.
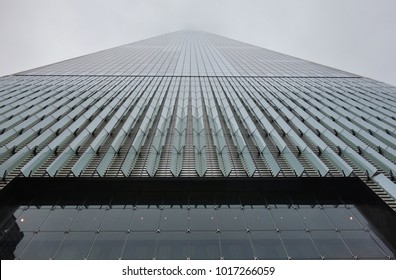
193,104
283,228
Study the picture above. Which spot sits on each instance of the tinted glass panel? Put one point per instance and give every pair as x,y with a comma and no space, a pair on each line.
315,219
146,219
88,220
236,245
203,245
116,220
362,244
59,220
267,245
173,245
259,219
299,245
75,246
140,246
342,218
108,245
42,246
287,219
203,219
231,219
32,218
385,239
174,219
330,245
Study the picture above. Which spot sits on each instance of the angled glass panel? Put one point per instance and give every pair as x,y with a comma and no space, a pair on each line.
116,220
75,246
173,245
140,246
88,220
32,218
362,245
286,219
203,219
330,245
235,245
342,218
315,219
203,245
59,220
107,246
231,219
174,219
259,219
299,245
42,246
146,220
267,245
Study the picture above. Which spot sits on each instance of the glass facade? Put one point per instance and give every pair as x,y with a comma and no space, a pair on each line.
194,105
277,219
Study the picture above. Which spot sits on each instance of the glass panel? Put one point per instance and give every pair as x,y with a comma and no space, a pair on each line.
386,239
32,218
172,245
88,220
330,245
75,246
342,218
231,219
267,245
59,220
360,217
13,243
174,219
235,245
203,245
299,245
42,246
117,220
287,219
203,219
140,246
146,219
314,218
362,245
107,246
259,219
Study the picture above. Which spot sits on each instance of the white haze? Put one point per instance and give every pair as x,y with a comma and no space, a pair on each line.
357,36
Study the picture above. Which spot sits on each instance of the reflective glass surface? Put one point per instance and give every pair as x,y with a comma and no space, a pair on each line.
75,246
267,245
107,245
275,228
236,245
42,246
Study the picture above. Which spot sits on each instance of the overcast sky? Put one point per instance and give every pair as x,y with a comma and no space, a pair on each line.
357,36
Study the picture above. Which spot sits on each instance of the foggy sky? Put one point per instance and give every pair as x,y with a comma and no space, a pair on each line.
357,36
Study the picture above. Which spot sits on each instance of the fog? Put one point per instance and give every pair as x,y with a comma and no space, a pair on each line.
357,36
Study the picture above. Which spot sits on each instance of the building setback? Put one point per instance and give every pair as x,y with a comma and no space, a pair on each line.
192,145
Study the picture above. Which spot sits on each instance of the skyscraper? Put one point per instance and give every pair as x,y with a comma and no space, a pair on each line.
192,145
